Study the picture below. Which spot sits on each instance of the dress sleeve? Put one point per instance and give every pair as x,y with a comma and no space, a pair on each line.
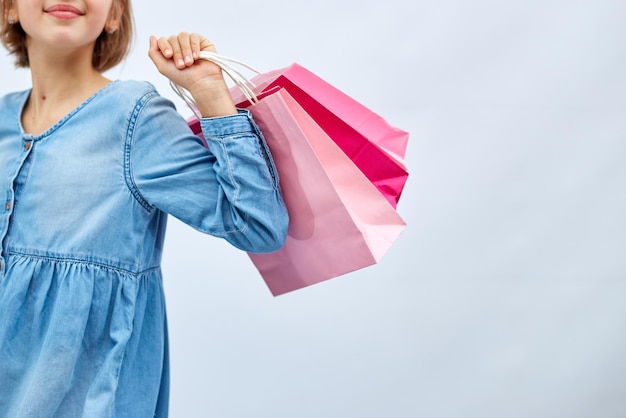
229,190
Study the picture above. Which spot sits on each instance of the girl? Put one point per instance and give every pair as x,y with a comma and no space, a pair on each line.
89,167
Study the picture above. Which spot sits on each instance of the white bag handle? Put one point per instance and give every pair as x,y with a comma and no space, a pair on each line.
245,85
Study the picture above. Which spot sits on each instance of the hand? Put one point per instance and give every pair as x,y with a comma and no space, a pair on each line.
177,58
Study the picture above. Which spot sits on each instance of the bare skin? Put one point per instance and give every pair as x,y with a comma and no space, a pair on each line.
60,51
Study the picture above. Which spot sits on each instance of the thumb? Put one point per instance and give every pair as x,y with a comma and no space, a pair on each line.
155,54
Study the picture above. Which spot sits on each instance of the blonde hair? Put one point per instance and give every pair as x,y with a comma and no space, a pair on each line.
110,48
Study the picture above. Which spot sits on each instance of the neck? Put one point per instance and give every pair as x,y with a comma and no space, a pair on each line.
59,78
60,84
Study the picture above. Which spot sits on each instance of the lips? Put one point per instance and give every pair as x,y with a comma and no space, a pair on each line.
64,11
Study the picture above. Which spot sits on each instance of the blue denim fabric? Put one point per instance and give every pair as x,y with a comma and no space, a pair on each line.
82,220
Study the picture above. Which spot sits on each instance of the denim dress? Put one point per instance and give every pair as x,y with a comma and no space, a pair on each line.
82,220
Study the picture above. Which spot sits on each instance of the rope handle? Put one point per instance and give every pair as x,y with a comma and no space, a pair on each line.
243,83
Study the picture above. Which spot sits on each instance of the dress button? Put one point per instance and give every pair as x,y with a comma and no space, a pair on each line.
27,145
8,205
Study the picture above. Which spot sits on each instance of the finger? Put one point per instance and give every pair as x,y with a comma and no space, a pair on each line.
182,50
154,52
165,47
185,40
195,41
206,45
176,55
156,55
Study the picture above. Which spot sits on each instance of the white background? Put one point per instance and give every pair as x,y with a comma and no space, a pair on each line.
504,297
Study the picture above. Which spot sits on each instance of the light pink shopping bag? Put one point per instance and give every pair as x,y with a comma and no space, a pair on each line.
376,147
339,222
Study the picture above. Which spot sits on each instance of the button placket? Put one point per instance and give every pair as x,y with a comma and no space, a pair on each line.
27,147
28,142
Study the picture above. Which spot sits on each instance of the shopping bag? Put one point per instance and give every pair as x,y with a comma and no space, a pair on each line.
377,148
339,222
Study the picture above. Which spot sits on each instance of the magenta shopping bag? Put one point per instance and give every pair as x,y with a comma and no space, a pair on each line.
339,222
377,148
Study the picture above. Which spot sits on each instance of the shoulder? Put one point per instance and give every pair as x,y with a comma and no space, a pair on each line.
13,101
145,111
131,90
137,95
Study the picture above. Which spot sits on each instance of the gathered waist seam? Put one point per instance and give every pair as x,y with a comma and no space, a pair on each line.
78,260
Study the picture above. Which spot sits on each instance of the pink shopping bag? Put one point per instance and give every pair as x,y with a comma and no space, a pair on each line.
377,148
339,222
